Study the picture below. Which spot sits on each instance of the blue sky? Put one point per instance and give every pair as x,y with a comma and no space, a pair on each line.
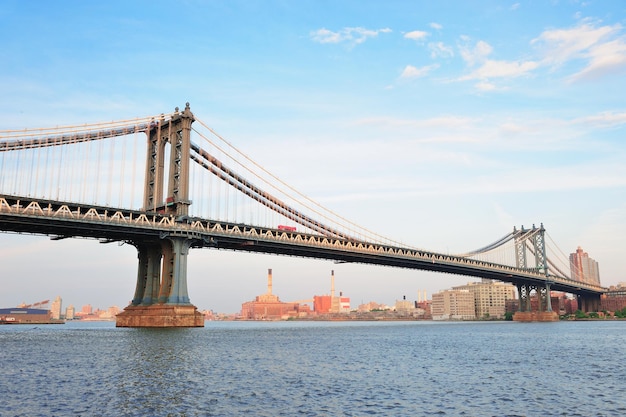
440,124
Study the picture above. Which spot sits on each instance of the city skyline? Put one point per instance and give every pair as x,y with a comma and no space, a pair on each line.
441,125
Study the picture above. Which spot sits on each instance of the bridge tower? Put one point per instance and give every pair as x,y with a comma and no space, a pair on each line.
161,298
533,240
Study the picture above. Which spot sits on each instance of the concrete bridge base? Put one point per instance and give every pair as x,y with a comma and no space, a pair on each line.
528,316
160,315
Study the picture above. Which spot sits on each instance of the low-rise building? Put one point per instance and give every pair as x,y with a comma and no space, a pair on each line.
269,307
614,299
453,305
490,297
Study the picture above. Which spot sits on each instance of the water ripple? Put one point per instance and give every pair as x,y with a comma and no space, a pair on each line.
316,369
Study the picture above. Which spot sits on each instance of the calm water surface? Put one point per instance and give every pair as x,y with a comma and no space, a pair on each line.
315,369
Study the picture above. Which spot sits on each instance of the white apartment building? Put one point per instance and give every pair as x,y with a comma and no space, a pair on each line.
489,297
453,304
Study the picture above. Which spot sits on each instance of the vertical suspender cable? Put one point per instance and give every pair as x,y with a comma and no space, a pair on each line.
75,160
62,160
97,173
122,174
35,188
30,174
111,168
87,148
48,170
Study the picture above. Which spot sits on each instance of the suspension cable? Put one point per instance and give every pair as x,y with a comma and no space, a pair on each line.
246,157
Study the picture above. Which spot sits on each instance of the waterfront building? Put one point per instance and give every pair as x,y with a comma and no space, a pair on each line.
453,305
425,305
490,297
372,306
325,304
614,299
322,304
404,306
70,312
55,308
26,315
269,307
583,268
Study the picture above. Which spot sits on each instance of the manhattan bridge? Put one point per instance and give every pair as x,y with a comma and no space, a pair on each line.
169,183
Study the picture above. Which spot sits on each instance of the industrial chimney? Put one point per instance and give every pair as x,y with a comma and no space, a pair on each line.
269,281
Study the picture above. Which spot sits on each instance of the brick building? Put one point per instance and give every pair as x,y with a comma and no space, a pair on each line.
269,307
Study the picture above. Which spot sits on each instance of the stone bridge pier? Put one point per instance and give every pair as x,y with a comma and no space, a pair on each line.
544,310
161,298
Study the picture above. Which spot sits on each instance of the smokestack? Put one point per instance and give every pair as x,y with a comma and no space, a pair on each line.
269,281
332,283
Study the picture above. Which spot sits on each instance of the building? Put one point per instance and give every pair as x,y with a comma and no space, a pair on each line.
55,308
329,304
490,297
25,315
372,306
453,305
614,299
269,307
583,268
70,312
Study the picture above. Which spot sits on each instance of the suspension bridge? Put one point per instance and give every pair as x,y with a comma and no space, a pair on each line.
132,181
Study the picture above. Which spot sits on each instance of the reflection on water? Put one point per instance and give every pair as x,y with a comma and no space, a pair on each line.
315,369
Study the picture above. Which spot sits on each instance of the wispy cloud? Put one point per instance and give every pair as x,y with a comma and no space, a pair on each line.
487,69
413,72
501,69
477,54
485,86
602,49
435,26
606,119
416,35
440,50
353,35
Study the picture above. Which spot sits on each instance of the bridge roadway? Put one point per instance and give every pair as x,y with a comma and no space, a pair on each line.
61,220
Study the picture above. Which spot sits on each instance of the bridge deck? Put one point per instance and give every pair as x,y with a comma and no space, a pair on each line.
68,220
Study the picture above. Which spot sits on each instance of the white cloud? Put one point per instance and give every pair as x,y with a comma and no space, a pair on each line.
416,35
601,48
515,6
604,59
413,72
501,69
606,119
477,54
436,26
355,35
439,49
485,86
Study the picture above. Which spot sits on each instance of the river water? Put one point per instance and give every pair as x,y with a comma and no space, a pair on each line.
315,369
